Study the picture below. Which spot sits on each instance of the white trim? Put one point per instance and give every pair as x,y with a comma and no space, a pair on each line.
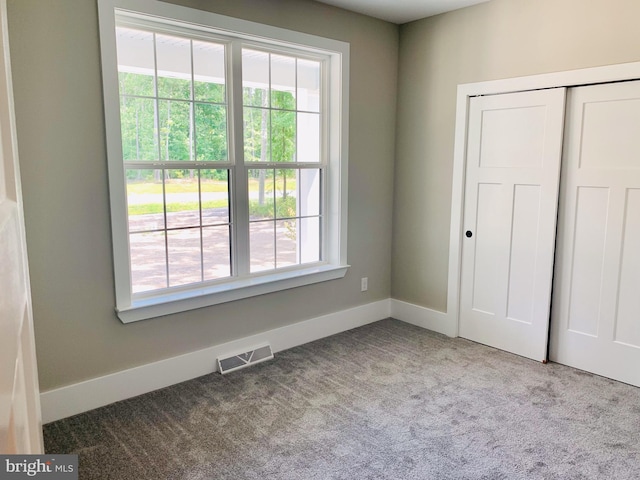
237,289
423,317
97,392
170,13
587,76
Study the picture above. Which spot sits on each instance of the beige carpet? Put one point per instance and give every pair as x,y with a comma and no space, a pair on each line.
384,401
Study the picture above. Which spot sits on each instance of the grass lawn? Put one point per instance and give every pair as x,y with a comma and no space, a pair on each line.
186,186
284,207
148,208
180,186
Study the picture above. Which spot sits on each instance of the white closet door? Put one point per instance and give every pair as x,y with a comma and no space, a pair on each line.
596,307
514,148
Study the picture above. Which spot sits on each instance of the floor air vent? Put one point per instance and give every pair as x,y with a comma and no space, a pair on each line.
236,361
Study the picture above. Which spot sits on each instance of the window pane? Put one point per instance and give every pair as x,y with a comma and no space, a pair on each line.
135,84
261,238
148,261
309,240
283,136
185,260
137,120
255,78
308,85
174,67
261,194
182,198
285,196
208,72
175,130
308,137
211,132
308,191
144,200
286,243
283,82
256,134
216,252
214,188
136,67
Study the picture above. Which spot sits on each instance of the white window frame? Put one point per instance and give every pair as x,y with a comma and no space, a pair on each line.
334,265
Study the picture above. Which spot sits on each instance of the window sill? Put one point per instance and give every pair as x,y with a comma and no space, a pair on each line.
168,304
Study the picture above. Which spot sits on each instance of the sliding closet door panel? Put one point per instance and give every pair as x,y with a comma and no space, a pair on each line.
596,305
511,195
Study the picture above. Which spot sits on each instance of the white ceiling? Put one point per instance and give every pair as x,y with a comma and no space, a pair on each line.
401,11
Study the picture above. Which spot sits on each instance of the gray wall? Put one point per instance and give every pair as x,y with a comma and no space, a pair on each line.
57,87
499,39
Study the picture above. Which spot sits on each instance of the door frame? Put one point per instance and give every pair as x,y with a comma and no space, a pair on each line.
571,78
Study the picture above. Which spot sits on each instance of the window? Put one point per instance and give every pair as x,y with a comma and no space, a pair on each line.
226,145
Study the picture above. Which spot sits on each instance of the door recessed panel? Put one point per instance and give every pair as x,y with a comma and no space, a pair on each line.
627,327
513,137
610,136
588,256
489,245
524,240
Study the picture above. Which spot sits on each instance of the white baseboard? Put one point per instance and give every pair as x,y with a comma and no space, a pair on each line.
97,392
423,317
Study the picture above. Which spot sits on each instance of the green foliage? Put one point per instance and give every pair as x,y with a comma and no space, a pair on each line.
219,174
211,131
269,134
283,136
285,208
139,140
256,144
283,100
174,132
209,92
175,141
269,130
255,97
174,88
135,84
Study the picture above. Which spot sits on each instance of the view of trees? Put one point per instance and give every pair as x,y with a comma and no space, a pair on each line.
172,139
269,135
